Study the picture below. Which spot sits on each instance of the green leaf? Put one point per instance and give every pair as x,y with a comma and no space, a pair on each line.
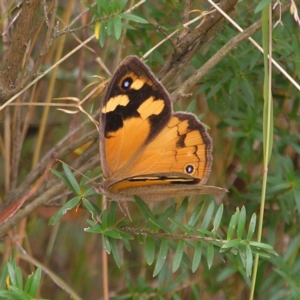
115,252
126,244
92,9
226,272
110,26
161,225
103,33
89,192
252,226
112,215
123,223
262,253
149,215
247,91
64,209
185,229
113,233
19,278
32,283
161,257
241,223
18,294
125,235
261,5
231,244
121,4
233,224
106,243
7,295
218,217
192,106
12,273
72,182
220,83
279,187
134,18
95,228
216,87
296,193
144,208
261,245
4,273
242,254
93,209
169,212
117,27
149,249
180,213
106,6
61,176
197,256
249,260
140,238
203,232
178,255
288,166
195,215
208,215
210,254
104,219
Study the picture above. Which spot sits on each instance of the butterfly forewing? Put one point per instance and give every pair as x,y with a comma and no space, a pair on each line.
135,109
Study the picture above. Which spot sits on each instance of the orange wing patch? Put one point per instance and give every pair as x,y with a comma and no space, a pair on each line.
113,102
151,107
122,146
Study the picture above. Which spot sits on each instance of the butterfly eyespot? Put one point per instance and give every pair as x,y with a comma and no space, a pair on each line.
126,83
189,169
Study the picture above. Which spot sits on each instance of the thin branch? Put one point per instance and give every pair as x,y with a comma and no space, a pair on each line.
172,236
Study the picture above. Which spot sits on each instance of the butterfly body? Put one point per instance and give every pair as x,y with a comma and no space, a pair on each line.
145,148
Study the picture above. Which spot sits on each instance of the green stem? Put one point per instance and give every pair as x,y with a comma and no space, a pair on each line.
267,125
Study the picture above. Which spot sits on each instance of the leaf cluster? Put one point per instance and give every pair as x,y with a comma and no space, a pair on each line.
166,231
12,285
112,19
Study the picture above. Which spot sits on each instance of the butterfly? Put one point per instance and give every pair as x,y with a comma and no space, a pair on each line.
146,149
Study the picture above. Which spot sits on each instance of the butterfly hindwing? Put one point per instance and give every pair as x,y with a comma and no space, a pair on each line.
182,146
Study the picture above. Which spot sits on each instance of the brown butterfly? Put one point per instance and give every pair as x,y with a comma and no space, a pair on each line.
146,149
